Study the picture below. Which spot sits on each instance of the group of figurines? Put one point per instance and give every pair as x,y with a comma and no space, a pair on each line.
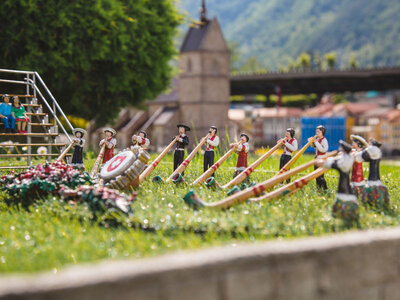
13,114
350,158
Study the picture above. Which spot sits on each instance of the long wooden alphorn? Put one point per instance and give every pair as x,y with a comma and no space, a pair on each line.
98,161
214,167
188,159
62,155
293,187
154,164
244,195
246,173
291,162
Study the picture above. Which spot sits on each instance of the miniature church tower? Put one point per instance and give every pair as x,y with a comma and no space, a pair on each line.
204,78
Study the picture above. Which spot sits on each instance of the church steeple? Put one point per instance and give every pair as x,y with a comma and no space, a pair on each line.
203,12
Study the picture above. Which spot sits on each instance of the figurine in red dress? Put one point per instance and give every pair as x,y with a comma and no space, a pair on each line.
110,142
357,176
242,150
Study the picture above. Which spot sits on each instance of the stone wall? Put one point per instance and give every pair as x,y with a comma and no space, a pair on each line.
355,265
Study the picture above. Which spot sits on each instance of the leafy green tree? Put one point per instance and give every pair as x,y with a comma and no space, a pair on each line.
353,63
330,60
97,56
234,55
304,61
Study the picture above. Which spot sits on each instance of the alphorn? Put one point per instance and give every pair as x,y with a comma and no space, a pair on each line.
246,173
188,159
154,164
293,187
291,162
62,155
192,199
214,167
98,161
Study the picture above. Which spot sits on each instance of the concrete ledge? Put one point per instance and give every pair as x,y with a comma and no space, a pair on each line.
354,265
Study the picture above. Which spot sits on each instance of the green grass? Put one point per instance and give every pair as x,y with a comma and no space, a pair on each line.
51,234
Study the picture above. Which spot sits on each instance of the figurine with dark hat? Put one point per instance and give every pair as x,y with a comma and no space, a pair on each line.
212,142
242,150
141,140
79,142
181,143
321,147
374,192
346,205
289,146
110,143
357,177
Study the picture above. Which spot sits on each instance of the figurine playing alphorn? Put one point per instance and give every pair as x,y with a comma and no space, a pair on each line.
321,147
289,146
192,199
357,175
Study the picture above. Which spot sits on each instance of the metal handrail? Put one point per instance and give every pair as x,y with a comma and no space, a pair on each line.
54,100
12,81
33,85
16,71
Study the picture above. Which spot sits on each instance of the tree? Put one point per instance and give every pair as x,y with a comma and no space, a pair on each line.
331,60
234,55
252,64
353,63
95,55
304,61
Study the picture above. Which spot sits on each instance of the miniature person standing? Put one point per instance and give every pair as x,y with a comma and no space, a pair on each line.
18,112
79,142
110,142
181,143
321,147
242,149
374,193
357,176
212,142
289,146
141,140
346,205
6,115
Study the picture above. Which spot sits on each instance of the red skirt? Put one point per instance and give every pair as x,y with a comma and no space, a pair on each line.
108,154
22,120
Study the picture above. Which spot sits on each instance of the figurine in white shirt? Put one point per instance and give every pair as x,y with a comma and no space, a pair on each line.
242,150
212,142
321,147
289,146
141,140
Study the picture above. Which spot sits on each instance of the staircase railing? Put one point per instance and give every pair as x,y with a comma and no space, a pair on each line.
32,80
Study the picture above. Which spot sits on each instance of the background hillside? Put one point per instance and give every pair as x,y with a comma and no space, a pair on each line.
274,31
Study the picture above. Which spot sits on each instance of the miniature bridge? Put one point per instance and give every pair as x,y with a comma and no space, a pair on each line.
318,82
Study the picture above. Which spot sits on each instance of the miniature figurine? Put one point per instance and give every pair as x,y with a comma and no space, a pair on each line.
321,147
346,205
79,142
242,149
289,146
357,176
18,112
212,142
181,143
374,192
141,140
110,142
6,115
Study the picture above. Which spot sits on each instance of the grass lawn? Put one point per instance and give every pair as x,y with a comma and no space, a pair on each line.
51,234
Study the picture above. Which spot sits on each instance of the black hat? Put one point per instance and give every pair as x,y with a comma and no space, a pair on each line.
375,142
345,146
245,135
322,128
187,128
144,133
215,128
291,131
